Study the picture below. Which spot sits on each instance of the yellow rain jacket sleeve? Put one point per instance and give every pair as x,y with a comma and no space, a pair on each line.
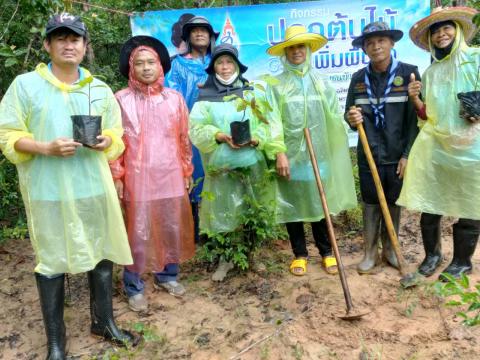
308,100
443,172
72,208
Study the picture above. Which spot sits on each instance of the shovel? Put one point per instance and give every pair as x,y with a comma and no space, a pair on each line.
352,313
408,279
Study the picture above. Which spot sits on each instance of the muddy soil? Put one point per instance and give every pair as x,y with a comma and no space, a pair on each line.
265,313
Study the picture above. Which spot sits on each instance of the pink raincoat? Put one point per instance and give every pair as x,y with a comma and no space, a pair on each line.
156,161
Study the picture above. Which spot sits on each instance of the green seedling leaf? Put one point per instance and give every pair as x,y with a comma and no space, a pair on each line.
229,97
260,87
269,79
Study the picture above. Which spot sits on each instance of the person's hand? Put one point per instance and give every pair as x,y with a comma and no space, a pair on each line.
354,116
475,119
253,142
105,142
224,138
188,184
414,87
402,165
62,147
283,167
119,187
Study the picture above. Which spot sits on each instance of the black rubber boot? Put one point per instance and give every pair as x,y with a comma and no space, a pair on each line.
388,254
52,295
101,309
371,229
465,237
430,226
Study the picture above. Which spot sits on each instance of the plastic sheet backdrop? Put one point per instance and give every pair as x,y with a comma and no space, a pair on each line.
223,192
443,172
304,98
73,213
153,167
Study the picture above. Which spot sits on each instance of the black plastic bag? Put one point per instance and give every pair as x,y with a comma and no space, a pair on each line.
86,128
469,104
240,131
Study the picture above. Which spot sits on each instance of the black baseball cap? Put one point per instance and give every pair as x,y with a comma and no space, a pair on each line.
68,21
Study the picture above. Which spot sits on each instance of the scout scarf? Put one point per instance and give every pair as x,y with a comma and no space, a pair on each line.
378,109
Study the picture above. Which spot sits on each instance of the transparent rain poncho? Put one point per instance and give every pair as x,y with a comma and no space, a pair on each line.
443,172
156,161
304,98
185,76
230,174
73,213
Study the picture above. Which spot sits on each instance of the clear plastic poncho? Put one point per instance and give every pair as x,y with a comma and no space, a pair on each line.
185,76
73,213
156,161
443,171
230,174
305,98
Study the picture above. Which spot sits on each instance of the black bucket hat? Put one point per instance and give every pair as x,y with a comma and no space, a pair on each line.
225,49
197,21
143,40
377,28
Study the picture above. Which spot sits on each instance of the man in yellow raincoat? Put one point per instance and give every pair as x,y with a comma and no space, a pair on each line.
74,218
304,98
443,174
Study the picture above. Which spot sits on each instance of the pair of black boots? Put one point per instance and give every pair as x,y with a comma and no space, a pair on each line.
52,296
465,237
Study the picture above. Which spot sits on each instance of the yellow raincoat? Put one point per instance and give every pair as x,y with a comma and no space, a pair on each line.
305,99
443,172
73,213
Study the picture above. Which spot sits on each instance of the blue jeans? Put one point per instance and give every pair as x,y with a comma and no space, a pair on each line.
133,283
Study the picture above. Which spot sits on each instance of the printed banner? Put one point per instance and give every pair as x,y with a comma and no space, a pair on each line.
252,29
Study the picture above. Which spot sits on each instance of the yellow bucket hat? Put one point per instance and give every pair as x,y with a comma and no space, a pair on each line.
420,31
297,34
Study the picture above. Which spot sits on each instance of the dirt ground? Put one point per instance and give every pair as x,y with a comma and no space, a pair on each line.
265,313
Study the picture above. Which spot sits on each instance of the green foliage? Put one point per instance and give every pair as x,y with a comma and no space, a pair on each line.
12,215
459,294
257,227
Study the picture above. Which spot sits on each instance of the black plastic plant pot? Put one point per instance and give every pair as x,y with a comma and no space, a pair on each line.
240,131
469,104
86,128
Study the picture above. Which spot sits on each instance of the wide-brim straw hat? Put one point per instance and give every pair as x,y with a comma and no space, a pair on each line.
462,15
297,34
140,40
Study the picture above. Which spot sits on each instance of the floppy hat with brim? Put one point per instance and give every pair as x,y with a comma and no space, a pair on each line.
197,21
140,40
462,15
297,34
225,49
377,28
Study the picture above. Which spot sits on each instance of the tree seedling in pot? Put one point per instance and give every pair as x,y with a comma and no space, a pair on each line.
240,130
86,128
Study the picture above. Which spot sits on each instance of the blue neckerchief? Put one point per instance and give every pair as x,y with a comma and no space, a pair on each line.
81,74
378,109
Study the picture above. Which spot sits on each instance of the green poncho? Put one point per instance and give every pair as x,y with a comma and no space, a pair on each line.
443,172
304,98
73,213
230,174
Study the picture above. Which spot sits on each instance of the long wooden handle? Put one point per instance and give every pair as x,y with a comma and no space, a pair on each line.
331,234
383,201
